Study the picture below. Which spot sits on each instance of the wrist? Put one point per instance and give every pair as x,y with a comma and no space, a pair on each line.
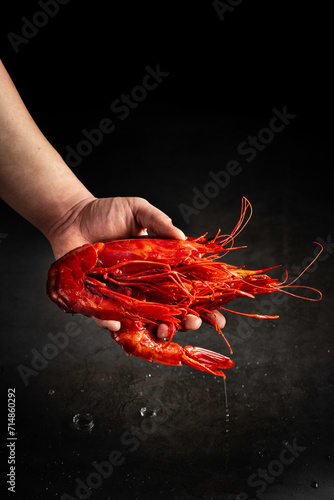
64,233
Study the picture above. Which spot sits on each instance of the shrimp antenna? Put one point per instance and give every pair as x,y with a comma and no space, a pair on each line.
245,204
310,264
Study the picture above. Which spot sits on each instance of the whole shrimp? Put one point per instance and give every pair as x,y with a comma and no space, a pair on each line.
145,281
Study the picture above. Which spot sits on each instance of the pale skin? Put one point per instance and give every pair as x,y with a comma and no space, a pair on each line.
36,182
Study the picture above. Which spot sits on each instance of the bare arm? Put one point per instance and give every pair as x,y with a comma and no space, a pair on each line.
34,179
37,183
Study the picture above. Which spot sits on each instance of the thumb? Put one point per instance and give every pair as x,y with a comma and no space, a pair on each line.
156,221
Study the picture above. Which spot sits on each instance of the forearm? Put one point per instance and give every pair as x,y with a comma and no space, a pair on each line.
34,179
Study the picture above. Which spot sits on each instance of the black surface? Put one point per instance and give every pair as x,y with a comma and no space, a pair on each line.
225,79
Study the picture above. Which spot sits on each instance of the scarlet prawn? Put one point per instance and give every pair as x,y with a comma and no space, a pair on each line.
143,282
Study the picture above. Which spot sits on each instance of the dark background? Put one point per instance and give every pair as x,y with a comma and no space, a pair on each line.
225,79
261,56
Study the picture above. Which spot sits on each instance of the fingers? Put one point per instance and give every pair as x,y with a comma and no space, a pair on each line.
216,316
108,324
162,331
155,220
190,322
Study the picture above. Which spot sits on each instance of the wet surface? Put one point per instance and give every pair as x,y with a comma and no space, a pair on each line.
89,416
93,422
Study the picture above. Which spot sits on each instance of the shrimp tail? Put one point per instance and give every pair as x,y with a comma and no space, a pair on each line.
136,340
205,360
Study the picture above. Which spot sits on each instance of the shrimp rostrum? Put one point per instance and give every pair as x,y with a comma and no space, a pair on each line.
145,281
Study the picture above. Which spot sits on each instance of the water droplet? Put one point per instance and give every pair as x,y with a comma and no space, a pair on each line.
149,375
314,484
51,392
136,408
83,421
147,411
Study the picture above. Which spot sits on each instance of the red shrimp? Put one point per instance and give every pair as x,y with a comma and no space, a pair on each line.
145,281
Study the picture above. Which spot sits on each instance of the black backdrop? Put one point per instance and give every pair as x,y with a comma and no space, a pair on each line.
259,56
225,77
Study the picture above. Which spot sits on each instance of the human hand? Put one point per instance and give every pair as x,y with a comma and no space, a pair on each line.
71,216
104,219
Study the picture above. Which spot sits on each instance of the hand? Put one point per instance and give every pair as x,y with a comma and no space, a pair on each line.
103,219
71,215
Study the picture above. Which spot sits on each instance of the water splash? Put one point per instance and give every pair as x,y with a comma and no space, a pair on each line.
227,411
227,425
148,411
135,409
83,421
